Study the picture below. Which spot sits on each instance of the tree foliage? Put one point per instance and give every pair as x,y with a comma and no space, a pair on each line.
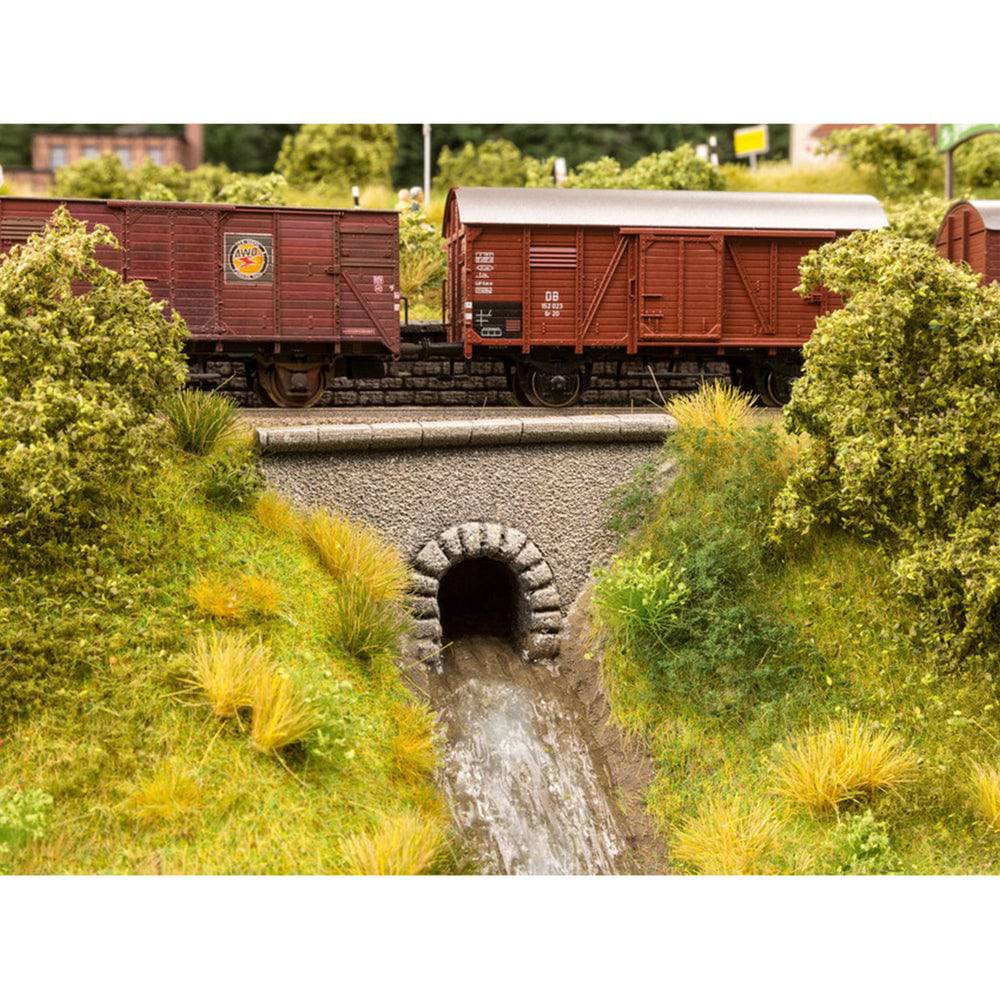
977,163
81,376
901,404
338,155
107,177
677,169
918,217
902,161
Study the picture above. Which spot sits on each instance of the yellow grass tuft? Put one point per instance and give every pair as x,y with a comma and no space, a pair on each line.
259,594
225,669
984,781
413,753
728,836
845,762
215,597
281,717
275,514
401,844
171,794
716,408
349,550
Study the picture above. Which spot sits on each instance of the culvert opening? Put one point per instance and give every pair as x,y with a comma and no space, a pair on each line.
477,597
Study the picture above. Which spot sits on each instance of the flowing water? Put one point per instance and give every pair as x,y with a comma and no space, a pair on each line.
525,786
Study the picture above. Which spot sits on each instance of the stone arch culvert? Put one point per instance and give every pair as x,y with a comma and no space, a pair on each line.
496,573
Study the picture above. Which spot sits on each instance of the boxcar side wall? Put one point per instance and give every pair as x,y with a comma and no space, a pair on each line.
587,288
964,237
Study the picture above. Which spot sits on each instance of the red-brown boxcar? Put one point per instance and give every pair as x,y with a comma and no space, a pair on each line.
552,279
970,232
298,294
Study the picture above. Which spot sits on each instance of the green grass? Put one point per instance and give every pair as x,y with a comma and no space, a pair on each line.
848,639
144,777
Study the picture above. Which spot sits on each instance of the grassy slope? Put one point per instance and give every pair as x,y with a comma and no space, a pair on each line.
838,595
100,739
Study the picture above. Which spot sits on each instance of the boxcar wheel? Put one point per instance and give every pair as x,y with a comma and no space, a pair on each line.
775,387
292,386
553,390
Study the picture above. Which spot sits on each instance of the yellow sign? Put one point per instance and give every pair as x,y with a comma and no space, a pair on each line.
751,141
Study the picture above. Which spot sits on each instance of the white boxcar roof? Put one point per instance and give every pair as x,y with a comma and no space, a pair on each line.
666,209
989,212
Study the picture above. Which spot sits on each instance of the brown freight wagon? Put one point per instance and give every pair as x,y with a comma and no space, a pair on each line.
298,294
970,232
552,280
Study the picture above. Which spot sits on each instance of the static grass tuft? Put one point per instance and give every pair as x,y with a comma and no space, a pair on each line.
413,753
984,781
728,836
363,625
200,420
259,595
846,762
717,408
225,668
402,844
351,551
169,796
275,514
216,598
281,717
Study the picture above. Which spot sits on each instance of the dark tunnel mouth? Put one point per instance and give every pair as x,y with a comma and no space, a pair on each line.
478,596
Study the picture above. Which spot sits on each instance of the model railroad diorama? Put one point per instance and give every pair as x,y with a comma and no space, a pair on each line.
543,289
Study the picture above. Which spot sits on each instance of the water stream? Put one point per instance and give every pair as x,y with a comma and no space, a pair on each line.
525,786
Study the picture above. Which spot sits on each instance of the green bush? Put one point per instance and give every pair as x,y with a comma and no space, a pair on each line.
199,419
493,163
677,169
918,217
422,256
977,164
106,177
862,847
900,404
80,379
233,479
901,161
338,155
24,815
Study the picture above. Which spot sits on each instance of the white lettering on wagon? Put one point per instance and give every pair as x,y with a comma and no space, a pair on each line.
552,307
483,280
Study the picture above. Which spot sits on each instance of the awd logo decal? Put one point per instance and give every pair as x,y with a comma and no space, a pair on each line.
249,257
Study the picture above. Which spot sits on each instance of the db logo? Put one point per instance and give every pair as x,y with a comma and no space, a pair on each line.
249,259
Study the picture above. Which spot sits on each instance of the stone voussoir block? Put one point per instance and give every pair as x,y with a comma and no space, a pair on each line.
423,585
425,628
423,607
492,538
432,560
537,576
451,544
526,558
545,621
471,533
541,646
513,542
546,599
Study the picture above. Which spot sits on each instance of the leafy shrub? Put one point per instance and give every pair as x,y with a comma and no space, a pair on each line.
984,786
917,218
863,847
233,479
670,170
401,844
845,762
901,161
977,164
422,256
728,837
80,379
338,155
107,177
899,402
200,420
24,816
493,163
